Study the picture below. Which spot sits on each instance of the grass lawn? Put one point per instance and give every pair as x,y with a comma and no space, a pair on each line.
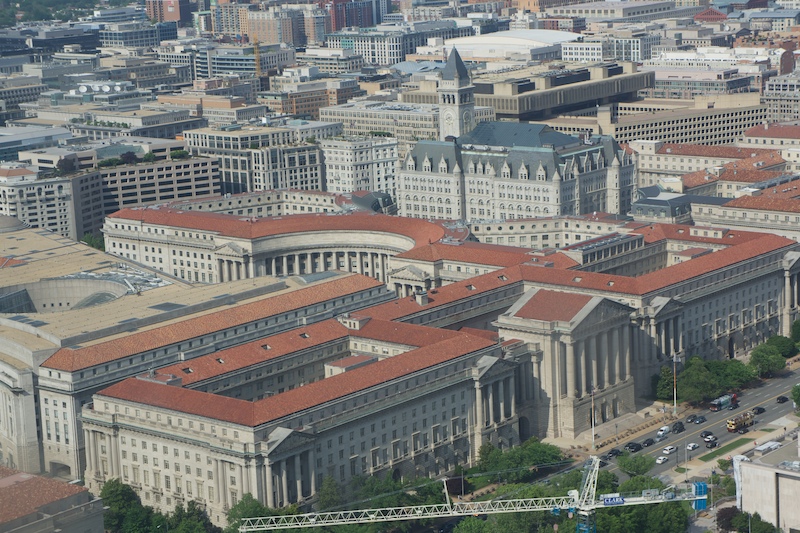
767,430
724,449
680,470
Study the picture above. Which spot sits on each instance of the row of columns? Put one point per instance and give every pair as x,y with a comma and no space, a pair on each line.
589,361
277,479
495,402
377,264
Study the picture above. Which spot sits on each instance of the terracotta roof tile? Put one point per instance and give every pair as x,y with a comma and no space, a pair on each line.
10,262
71,359
275,407
420,231
775,131
22,494
552,306
468,252
261,350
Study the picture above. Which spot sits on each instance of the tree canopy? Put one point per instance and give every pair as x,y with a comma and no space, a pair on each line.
784,345
766,359
635,465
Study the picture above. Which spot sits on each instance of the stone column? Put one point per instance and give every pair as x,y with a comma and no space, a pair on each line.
479,407
285,265
501,394
91,465
570,369
513,386
296,267
595,354
221,271
218,485
652,342
626,340
284,483
273,261
252,267
245,478
537,381
606,360
270,488
311,473
112,456
490,416
298,475
615,348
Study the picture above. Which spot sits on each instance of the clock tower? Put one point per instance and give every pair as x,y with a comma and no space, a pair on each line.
456,99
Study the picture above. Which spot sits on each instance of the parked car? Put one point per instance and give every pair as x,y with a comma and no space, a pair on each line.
782,399
633,447
705,434
692,446
648,442
712,444
758,410
700,419
733,406
691,418
661,460
669,450
710,438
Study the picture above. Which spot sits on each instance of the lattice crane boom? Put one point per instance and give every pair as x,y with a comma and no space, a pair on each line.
585,502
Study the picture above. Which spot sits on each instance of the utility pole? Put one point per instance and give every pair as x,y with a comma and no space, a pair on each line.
675,385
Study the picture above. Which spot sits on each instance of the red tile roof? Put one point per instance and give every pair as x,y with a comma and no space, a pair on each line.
749,170
468,252
775,131
420,231
275,407
22,494
10,262
552,306
404,307
71,359
259,351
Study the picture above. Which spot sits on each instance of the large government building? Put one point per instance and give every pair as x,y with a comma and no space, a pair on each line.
292,369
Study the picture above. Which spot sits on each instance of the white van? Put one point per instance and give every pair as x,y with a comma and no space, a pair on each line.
663,430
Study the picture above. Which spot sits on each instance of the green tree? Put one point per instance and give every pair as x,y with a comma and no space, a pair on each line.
110,162
191,518
119,498
94,241
766,359
179,154
696,383
65,165
129,158
725,517
149,157
329,494
473,525
735,374
635,465
137,518
795,394
664,383
247,507
785,345
489,458
796,331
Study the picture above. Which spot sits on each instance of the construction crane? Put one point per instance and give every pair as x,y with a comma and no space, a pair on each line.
584,502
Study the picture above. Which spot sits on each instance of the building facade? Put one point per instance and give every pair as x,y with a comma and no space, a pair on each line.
507,171
360,164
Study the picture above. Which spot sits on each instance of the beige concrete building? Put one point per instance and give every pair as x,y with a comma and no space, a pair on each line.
657,161
530,94
360,164
767,482
77,202
714,120
257,158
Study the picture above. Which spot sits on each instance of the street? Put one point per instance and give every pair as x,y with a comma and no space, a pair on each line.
762,396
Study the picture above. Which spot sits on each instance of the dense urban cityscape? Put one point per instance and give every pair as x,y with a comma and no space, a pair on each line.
400,266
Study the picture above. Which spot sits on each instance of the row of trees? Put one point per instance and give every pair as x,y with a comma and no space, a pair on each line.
702,380
517,464
661,518
126,514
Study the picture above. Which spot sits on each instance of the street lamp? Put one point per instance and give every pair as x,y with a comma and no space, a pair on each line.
675,385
